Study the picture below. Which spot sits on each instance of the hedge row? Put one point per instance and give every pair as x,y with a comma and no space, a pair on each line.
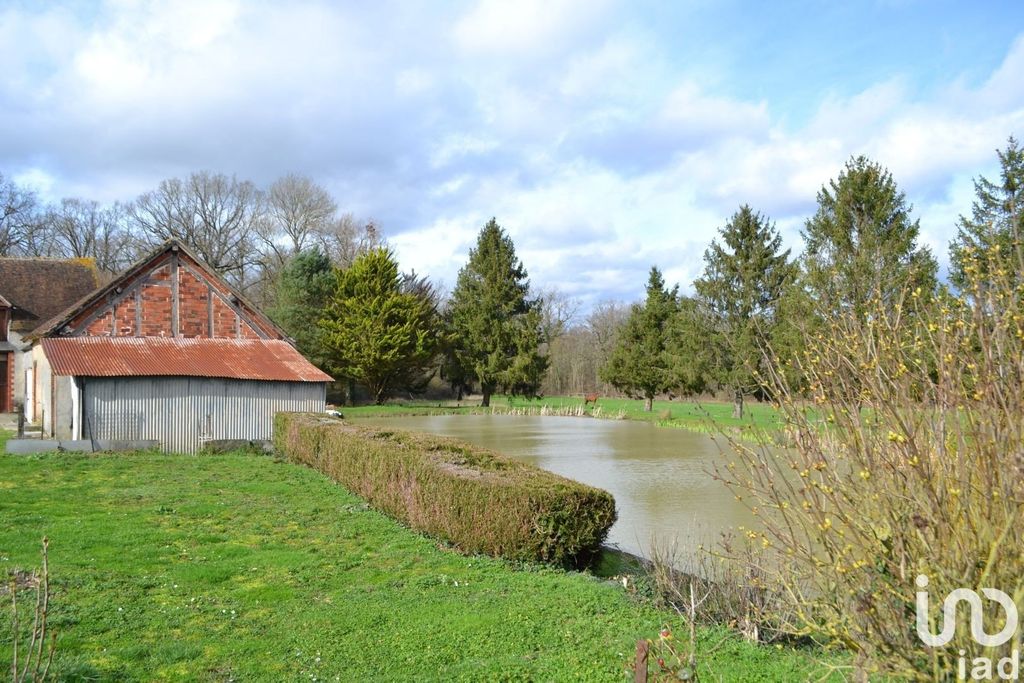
473,498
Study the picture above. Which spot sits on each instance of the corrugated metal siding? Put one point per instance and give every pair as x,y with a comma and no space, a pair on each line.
181,411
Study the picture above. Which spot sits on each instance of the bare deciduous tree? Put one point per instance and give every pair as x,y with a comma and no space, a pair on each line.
297,210
558,312
574,363
82,228
343,239
18,217
214,214
604,322
246,234
581,349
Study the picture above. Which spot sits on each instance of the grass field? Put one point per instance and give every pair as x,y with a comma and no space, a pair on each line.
697,416
241,567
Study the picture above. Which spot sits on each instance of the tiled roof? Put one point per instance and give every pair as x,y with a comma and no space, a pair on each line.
39,288
254,359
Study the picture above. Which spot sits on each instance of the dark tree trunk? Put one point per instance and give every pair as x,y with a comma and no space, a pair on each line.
648,404
351,397
486,390
737,405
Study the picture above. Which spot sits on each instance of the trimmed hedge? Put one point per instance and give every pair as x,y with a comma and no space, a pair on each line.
476,499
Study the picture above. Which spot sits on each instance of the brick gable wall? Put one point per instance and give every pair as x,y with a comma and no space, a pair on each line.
173,296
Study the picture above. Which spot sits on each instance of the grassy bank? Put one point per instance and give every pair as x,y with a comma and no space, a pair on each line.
243,568
692,415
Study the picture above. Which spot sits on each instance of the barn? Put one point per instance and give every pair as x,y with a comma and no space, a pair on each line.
170,352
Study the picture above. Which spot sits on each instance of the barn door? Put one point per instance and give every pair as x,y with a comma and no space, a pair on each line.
5,389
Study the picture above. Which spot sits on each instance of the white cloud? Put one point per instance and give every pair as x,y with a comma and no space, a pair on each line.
498,27
597,147
584,229
930,145
861,112
37,180
1005,88
413,81
697,112
609,71
459,145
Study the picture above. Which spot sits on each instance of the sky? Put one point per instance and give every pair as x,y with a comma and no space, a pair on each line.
604,136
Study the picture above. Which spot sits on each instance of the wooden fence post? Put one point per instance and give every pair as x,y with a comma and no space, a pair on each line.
640,667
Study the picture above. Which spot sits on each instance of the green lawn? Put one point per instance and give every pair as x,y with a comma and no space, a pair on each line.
698,416
241,567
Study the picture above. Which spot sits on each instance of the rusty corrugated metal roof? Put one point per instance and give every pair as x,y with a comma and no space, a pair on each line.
258,359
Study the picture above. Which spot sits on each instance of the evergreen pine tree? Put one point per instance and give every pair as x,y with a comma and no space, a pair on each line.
378,330
451,370
991,238
862,244
495,325
640,364
689,357
302,293
796,320
743,278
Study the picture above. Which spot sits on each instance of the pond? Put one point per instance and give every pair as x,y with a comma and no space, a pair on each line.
660,477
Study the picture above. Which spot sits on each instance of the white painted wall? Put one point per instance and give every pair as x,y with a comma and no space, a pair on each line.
22,361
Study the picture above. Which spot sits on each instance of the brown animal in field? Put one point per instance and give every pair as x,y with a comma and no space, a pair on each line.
590,398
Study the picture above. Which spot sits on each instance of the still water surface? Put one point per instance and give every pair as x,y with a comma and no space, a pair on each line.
660,477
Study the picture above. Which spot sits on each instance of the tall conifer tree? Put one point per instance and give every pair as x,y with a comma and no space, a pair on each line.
640,364
861,244
993,237
744,276
495,325
378,331
301,294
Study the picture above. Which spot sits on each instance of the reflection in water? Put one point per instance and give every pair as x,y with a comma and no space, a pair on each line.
660,477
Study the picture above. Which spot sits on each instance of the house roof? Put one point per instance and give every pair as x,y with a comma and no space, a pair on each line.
38,288
251,359
68,312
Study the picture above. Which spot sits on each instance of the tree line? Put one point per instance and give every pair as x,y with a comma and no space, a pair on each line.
752,309
330,281
337,289
372,326
754,306
245,232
